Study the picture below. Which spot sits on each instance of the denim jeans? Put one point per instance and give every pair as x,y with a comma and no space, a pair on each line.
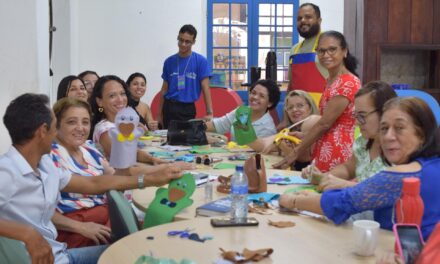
85,255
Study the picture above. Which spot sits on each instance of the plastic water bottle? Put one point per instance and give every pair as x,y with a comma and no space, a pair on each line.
239,191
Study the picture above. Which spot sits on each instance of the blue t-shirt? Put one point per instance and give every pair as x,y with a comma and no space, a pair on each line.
380,193
194,67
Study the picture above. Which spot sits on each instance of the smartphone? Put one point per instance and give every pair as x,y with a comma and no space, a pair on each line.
225,222
409,241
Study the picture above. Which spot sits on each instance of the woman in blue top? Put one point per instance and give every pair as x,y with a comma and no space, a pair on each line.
410,141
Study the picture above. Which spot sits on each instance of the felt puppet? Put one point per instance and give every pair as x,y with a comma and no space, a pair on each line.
168,202
243,130
124,138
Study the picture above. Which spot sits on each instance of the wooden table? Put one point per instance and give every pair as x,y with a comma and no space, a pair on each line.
310,241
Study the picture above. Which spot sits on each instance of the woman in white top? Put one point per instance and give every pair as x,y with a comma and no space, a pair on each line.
263,96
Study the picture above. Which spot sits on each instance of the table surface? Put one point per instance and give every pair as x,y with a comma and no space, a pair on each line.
310,241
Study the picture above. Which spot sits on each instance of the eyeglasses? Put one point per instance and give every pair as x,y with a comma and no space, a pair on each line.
361,117
330,51
204,159
297,106
184,41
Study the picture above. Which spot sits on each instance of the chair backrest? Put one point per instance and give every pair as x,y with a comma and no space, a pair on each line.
12,251
433,104
122,218
224,100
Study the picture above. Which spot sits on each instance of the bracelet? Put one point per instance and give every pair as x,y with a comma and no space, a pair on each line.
209,112
141,181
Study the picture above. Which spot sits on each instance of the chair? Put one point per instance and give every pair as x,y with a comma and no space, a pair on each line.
122,218
13,251
433,104
224,100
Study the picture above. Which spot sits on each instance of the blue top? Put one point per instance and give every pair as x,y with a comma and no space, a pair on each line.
194,67
380,193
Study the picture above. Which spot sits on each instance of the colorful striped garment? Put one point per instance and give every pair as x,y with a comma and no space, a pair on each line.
70,202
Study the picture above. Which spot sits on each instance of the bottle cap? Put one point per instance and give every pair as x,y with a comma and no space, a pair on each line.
411,186
239,168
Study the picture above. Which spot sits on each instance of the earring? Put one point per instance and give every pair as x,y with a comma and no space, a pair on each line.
100,109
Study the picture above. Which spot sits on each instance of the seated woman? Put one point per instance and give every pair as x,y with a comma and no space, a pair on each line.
89,78
366,159
82,220
410,140
72,86
109,96
333,134
298,106
263,96
137,85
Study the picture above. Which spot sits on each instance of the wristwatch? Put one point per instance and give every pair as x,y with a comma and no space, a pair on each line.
209,112
141,181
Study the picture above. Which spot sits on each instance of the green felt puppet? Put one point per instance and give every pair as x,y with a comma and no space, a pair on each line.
243,130
168,202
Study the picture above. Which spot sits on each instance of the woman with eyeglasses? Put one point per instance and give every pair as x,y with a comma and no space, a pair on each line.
334,132
298,106
73,87
366,159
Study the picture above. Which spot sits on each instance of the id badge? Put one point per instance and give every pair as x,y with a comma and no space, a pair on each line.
181,82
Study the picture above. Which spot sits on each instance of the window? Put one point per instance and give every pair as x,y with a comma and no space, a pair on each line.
242,32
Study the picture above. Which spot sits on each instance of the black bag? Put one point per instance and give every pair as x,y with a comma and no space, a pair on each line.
190,133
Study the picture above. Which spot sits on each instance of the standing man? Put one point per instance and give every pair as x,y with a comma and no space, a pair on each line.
305,71
30,183
184,75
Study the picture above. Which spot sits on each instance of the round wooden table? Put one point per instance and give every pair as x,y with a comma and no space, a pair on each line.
310,241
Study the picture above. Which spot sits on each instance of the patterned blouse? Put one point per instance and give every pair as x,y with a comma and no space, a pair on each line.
365,168
335,146
70,202
380,193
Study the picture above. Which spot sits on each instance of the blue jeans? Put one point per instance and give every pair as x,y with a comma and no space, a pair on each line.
85,255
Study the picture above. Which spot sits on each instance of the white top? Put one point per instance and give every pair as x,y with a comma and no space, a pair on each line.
264,126
30,197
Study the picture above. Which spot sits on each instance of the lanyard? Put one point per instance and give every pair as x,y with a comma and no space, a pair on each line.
184,71
302,42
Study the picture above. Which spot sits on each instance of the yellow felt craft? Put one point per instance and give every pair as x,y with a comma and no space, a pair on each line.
284,134
122,138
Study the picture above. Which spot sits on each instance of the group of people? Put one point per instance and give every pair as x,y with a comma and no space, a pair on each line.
51,200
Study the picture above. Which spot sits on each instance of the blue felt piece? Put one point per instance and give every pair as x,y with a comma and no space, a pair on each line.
186,158
285,180
262,197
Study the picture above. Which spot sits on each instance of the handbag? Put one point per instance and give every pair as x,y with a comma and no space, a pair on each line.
192,133
256,172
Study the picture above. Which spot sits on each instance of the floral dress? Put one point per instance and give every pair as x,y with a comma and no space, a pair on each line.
335,146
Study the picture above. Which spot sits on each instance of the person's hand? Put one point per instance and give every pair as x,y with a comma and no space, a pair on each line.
288,200
183,165
292,200
157,161
287,161
286,146
163,176
312,173
100,234
159,118
38,248
330,182
153,125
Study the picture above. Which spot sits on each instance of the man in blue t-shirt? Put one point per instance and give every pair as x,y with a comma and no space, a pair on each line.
184,75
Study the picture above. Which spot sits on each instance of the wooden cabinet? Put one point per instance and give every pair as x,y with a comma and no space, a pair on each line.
407,27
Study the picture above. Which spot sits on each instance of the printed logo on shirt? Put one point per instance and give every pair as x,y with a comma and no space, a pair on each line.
191,75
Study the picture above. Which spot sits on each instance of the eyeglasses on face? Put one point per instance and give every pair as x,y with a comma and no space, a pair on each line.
361,118
330,51
296,106
184,41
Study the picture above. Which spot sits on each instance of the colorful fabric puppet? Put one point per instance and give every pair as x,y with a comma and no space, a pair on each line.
124,138
243,130
168,202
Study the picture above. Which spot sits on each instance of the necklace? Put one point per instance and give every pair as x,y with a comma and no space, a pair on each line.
178,66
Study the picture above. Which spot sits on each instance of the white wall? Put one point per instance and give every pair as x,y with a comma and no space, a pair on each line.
120,37
24,55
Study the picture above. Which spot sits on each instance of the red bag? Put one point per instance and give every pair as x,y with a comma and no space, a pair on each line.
431,251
